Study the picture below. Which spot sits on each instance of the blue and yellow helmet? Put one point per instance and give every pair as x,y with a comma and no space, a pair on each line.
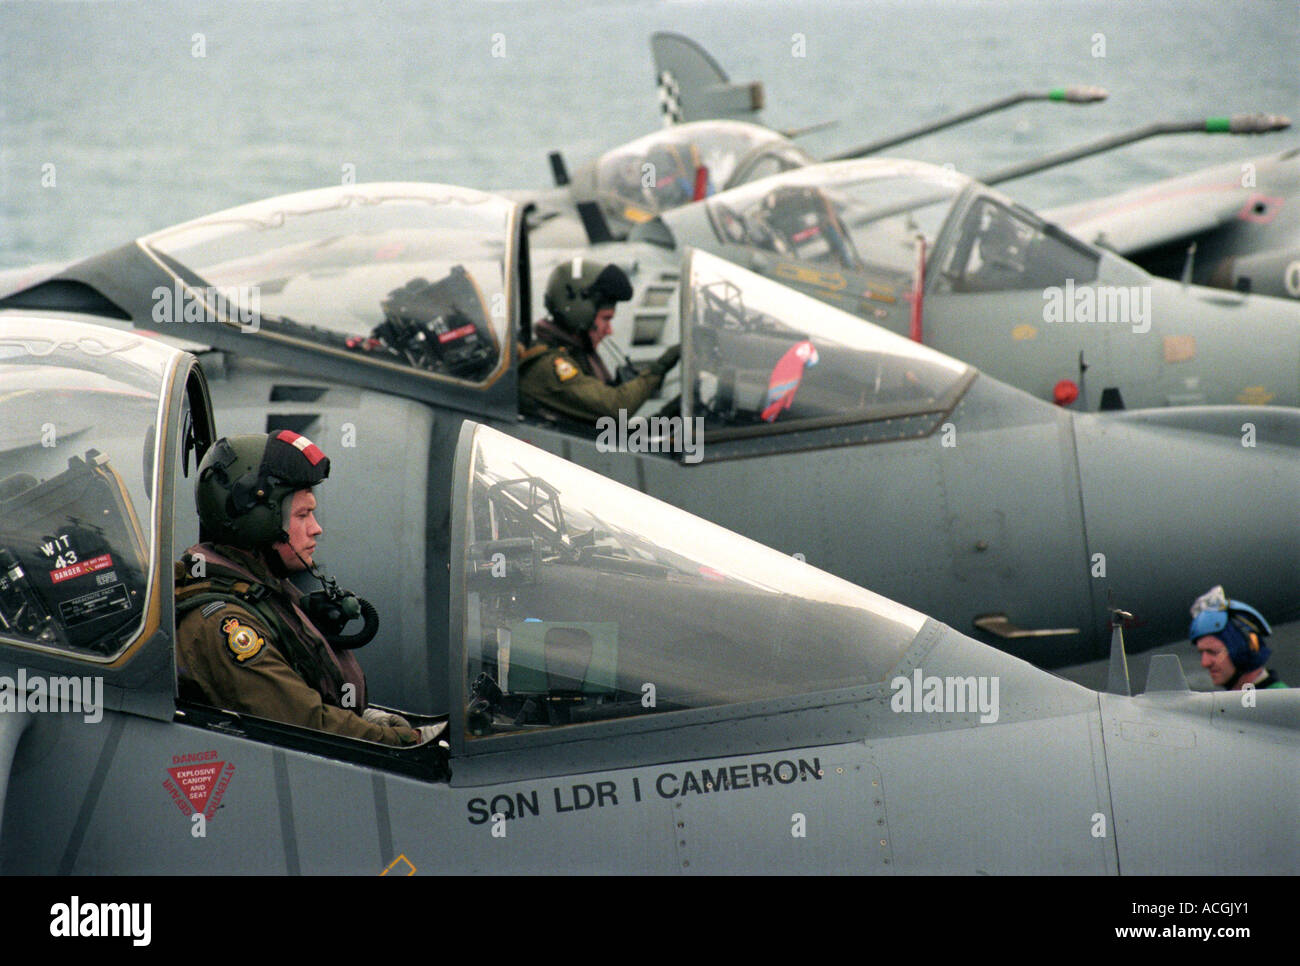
1241,628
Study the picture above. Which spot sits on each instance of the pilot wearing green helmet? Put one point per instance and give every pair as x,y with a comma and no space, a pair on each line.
247,639
561,376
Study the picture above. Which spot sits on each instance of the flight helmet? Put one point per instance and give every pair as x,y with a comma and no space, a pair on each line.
1241,628
244,483
580,288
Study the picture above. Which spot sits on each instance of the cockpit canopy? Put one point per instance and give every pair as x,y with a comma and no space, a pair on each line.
658,172
856,233
80,420
583,601
761,357
851,214
416,275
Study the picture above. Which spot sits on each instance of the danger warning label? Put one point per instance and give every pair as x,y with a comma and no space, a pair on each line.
81,569
200,786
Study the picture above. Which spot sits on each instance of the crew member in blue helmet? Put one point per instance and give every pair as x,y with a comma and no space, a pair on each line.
1230,638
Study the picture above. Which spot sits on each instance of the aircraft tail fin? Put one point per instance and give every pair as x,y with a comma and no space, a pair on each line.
693,87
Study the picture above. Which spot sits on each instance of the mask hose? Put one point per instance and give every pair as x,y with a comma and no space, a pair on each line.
331,609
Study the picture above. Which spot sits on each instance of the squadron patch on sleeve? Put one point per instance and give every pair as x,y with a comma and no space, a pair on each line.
243,642
564,369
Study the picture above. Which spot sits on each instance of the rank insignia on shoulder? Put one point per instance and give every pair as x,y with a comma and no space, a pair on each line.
564,369
243,641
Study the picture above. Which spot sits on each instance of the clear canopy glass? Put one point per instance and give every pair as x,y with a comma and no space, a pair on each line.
585,600
855,215
407,273
79,426
1000,249
657,172
760,354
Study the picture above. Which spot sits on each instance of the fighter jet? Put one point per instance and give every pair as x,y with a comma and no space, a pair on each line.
377,317
1233,226
630,184
705,705
937,256
930,253
944,259
713,140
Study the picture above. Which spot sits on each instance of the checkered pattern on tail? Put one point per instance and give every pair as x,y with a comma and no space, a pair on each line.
670,103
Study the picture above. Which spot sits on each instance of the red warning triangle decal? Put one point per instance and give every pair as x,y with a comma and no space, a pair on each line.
197,781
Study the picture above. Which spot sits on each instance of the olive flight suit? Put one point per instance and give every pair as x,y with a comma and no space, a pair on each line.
558,377
244,644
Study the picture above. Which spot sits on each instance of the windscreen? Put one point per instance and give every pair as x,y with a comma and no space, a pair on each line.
585,601
761,355
1000,249
405,273
79,411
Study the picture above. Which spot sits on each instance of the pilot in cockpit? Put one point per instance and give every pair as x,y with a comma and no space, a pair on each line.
247,639
998,261
561,375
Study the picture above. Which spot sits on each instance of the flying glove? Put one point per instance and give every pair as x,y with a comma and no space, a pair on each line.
666,361
431,732
386,718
